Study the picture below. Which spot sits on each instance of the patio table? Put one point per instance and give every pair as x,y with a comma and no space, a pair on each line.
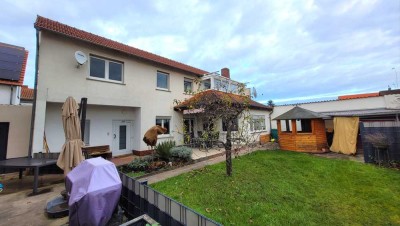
25,162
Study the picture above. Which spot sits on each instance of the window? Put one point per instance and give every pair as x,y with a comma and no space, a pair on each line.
235,125
304,126
188,85
286,126
206,84
257,123
106,69
86,136
164,122
162,80
234,88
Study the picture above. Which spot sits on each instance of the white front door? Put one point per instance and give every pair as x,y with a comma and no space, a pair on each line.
122,137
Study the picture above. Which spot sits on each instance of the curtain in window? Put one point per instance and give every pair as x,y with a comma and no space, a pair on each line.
345,135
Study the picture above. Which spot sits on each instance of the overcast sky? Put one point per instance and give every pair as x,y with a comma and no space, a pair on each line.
290,51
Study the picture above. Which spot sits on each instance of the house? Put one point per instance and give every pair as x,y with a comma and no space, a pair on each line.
128,90
15,119
347,110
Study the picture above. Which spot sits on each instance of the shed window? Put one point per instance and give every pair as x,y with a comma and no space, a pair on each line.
286,126
304,126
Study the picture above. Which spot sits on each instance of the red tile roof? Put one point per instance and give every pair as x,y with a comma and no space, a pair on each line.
22,74
43,23
356,96
26,93
215,95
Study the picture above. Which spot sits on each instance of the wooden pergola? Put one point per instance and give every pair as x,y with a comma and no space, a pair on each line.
302,130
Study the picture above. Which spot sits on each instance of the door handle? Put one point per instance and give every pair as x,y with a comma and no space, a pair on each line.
115,136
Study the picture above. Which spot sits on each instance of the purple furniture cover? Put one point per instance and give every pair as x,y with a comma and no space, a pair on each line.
94,187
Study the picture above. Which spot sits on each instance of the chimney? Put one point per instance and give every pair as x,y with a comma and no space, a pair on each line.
225,73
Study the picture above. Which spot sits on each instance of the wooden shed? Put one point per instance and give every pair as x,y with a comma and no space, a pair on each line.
302,130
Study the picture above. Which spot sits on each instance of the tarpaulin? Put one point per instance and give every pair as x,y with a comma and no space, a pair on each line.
345,135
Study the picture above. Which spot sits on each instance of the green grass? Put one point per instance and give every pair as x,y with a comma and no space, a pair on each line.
288,188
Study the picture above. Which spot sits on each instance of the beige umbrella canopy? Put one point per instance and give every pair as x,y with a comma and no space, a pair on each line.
71,152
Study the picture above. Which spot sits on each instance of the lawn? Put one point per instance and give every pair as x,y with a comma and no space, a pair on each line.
288,188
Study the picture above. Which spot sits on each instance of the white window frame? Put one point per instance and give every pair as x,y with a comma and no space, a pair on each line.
86,136
163,118
253,119
106,69
168,80
191,85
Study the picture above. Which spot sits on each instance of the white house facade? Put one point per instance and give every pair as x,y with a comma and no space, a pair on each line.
128,90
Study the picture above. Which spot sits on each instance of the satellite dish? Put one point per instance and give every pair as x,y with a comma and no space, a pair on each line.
254,92
80,58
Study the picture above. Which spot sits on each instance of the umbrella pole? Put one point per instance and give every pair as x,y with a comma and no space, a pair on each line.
82,116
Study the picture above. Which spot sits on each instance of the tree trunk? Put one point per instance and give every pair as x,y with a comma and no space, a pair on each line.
228,149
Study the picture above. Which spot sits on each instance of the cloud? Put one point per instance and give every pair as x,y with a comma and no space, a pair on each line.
289,50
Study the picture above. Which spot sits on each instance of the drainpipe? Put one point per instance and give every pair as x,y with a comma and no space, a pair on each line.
11,94
34,95
270,123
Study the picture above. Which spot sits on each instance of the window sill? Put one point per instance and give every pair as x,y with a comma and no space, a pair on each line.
105,80
259,131
161,89
165,136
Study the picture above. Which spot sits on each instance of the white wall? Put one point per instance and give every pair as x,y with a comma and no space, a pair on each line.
101,125
331,106
10,93
19,117
59,78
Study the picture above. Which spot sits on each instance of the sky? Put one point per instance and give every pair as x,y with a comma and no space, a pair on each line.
289,51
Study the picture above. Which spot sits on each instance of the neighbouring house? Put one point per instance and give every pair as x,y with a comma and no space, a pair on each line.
26,95
15,119
345,113
128,90
196,120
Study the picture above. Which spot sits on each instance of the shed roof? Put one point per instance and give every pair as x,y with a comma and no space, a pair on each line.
300,113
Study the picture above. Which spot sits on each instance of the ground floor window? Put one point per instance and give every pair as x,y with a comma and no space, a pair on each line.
257,123
235,125
164,121
86,136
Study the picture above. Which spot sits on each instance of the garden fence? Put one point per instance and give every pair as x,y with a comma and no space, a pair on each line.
138,199
389,129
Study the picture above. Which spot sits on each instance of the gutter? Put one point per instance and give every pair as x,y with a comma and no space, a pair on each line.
33,115
11,94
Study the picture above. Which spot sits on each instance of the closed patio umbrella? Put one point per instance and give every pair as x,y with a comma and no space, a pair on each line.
71,152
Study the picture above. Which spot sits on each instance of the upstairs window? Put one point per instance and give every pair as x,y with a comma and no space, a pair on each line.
162,80
188,85
206,84
106,69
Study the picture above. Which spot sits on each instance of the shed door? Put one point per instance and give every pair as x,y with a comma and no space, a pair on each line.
4,126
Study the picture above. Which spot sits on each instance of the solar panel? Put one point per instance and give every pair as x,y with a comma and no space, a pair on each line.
11,60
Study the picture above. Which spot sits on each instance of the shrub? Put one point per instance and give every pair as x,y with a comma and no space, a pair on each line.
163,149
182,152
140,164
